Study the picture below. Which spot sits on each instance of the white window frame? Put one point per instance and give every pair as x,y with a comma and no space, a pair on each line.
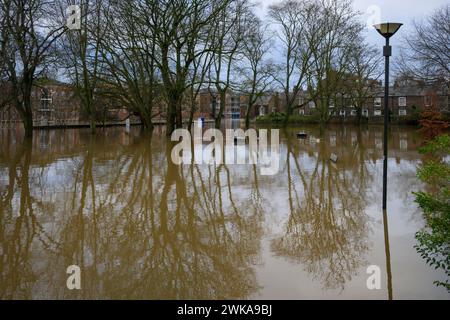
402,112
377,102
402,101
377,113
312,105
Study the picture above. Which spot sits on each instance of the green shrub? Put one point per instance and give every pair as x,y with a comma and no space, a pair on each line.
434,239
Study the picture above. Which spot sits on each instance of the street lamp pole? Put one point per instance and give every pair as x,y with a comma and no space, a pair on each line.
387,54
387,30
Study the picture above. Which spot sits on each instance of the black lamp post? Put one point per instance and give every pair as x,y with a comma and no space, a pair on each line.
387,30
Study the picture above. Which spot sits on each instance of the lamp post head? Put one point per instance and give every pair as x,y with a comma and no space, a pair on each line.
388,29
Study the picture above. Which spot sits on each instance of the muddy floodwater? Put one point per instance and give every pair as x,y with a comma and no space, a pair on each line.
140,227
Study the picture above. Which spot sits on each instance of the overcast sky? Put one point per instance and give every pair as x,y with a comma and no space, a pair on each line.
403,11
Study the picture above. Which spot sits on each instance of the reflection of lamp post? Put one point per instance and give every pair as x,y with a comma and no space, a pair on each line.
387,30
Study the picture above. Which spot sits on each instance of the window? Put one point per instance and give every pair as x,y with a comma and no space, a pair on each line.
354,113
312,105
262,111
377,102
342,113
402,102
402,112
427,101
377,113
301,112
365,113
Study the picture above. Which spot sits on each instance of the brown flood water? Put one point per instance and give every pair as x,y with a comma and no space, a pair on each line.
140,227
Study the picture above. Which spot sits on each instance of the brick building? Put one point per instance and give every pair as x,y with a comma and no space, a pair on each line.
53,103
56,104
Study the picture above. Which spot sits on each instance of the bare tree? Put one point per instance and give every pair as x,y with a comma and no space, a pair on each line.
363,74
81,54
200,69
3,43
257,71
178,26
129,52
28,38
338,32
298,37
427,52
4,39
228,36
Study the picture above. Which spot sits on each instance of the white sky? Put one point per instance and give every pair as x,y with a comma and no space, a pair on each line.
403,11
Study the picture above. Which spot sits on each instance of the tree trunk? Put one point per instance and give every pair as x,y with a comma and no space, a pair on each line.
179,116
322,129
221,109
146,121
27,120
191,116
288,107
171,115
247,117
92,124
26,113
288,115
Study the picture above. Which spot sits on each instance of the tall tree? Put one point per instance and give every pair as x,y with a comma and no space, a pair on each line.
298,36
129,53
257,71
81,55
338,32
197,77
178,26
427,52
28,38
228,36
4,39
363,73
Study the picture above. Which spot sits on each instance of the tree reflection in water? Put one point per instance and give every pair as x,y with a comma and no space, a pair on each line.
138,226
327,229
